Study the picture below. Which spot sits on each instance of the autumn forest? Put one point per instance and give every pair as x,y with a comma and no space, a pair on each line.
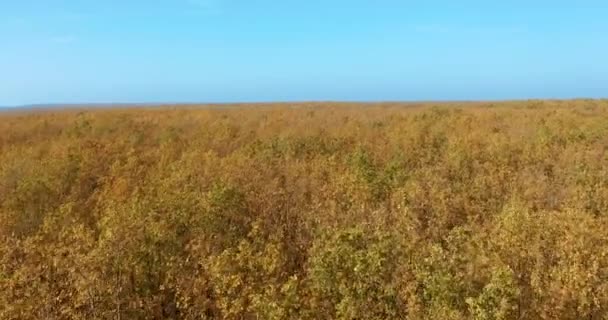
481,210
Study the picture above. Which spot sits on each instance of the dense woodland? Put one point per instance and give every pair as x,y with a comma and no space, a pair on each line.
306,211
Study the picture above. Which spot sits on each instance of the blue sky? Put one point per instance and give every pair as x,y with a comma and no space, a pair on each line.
68,51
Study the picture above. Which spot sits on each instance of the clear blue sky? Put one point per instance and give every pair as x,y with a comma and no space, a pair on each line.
270,50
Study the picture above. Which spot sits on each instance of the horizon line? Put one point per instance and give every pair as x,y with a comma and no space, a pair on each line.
260,102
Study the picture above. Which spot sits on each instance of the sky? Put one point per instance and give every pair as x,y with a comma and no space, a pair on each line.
139,51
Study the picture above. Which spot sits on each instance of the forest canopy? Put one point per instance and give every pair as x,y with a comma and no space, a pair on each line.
306,211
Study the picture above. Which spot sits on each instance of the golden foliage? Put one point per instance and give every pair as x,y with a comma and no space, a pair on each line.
306,211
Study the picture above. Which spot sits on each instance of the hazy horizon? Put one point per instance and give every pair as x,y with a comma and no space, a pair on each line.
312,102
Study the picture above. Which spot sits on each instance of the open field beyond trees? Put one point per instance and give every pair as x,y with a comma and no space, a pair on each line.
493,210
